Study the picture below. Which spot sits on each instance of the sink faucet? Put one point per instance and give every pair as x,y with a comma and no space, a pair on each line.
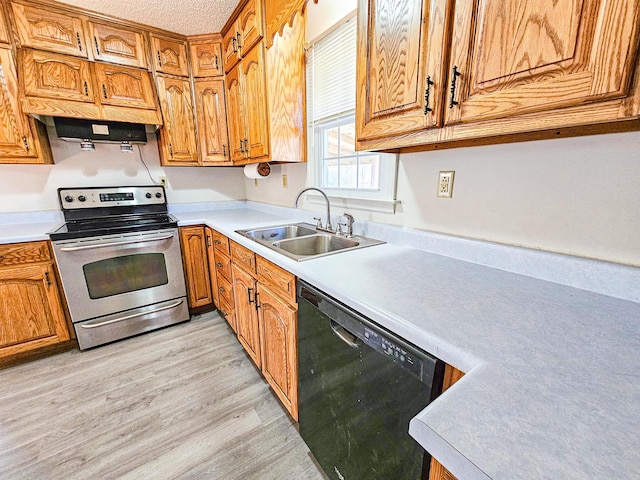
328,226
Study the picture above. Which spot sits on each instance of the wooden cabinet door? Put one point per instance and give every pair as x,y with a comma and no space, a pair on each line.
230,50
206,58
4,37
211,113
57,76
31,313
124,86
250,26
244,291
196,265
257,127
118,45
235,114
16,139
177,135
400,78
211,261
278,324
170,56
520,56
47,30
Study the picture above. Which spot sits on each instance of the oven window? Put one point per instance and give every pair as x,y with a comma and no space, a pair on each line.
129,273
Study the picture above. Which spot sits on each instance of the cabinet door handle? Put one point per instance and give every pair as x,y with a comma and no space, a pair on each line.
26,146
104,90
427,93
234,44
217,242
86,89
255,299
249,289
159,58
221,289
95,40
238,36
79,41
454,80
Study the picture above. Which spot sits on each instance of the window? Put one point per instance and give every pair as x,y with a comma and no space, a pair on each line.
362,179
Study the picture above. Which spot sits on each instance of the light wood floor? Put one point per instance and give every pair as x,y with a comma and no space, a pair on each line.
182,402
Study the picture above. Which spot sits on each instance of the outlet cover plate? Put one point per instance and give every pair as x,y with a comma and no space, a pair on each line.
445,184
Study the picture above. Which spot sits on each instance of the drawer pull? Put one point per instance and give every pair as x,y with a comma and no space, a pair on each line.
219,265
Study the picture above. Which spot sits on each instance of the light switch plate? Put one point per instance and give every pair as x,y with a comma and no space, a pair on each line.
445,184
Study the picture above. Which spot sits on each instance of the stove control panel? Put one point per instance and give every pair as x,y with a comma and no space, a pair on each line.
96,197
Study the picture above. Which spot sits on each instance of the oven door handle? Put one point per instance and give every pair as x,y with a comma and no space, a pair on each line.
115,244
133,315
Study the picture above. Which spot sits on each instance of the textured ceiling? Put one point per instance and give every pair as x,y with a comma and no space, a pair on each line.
188,17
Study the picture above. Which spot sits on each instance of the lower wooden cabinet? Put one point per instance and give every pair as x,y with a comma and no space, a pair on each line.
245,293
437,471
31,307
196,265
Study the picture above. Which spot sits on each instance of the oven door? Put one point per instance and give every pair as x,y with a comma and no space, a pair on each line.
116,273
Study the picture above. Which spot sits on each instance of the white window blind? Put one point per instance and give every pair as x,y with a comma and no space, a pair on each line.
331,69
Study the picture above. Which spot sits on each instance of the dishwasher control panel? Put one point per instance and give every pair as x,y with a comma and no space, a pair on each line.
393,350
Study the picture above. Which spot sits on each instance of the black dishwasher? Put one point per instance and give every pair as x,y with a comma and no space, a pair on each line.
359,385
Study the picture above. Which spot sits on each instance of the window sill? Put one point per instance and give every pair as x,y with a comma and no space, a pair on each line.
364,204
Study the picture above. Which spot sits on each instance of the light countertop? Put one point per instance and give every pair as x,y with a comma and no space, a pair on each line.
551,387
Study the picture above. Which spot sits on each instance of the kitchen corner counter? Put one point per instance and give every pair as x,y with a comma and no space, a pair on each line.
551,387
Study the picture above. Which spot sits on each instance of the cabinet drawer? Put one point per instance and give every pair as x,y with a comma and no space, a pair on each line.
282,282
225,290
220,243
21,253
227,311
243,257
223,266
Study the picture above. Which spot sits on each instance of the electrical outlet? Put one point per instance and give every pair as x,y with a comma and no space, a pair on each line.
445,184
163,181
284,181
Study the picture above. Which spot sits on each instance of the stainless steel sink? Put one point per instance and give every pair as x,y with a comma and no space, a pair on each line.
280,233
301,241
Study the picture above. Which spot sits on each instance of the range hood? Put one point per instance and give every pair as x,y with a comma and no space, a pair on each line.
101,131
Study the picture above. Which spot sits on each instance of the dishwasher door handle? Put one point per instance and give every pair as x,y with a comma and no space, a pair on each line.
345,335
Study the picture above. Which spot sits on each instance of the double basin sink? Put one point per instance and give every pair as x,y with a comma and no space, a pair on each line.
301,241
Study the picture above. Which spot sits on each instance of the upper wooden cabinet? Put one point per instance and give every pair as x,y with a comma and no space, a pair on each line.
206,56
177,136
66,86
212,121
124,86
44,29
20,139
443,71
170,55
4,36
118,45
246,31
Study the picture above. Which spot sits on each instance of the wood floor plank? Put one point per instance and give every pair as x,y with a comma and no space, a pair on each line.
181,402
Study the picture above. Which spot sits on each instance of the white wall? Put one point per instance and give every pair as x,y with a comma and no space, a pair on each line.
33,187
578,196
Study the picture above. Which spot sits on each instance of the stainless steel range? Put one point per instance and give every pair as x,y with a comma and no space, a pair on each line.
119,258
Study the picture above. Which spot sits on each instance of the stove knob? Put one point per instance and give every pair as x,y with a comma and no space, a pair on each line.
148,195
158,195
82,198
68,199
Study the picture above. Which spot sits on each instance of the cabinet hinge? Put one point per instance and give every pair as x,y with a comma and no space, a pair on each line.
79,41
95,40
26,143
104,90
171,150
159,58
47,279
86,89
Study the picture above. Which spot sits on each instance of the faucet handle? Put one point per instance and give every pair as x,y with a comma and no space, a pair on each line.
318,222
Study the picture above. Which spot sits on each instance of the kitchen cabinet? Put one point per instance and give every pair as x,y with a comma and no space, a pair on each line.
169,55
437,471
22,139
246,31
196,265
4,36
62,85
177,139
118,45
206,55
211,115
488,69
32,314
247,109
45,29
266,316
221,276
